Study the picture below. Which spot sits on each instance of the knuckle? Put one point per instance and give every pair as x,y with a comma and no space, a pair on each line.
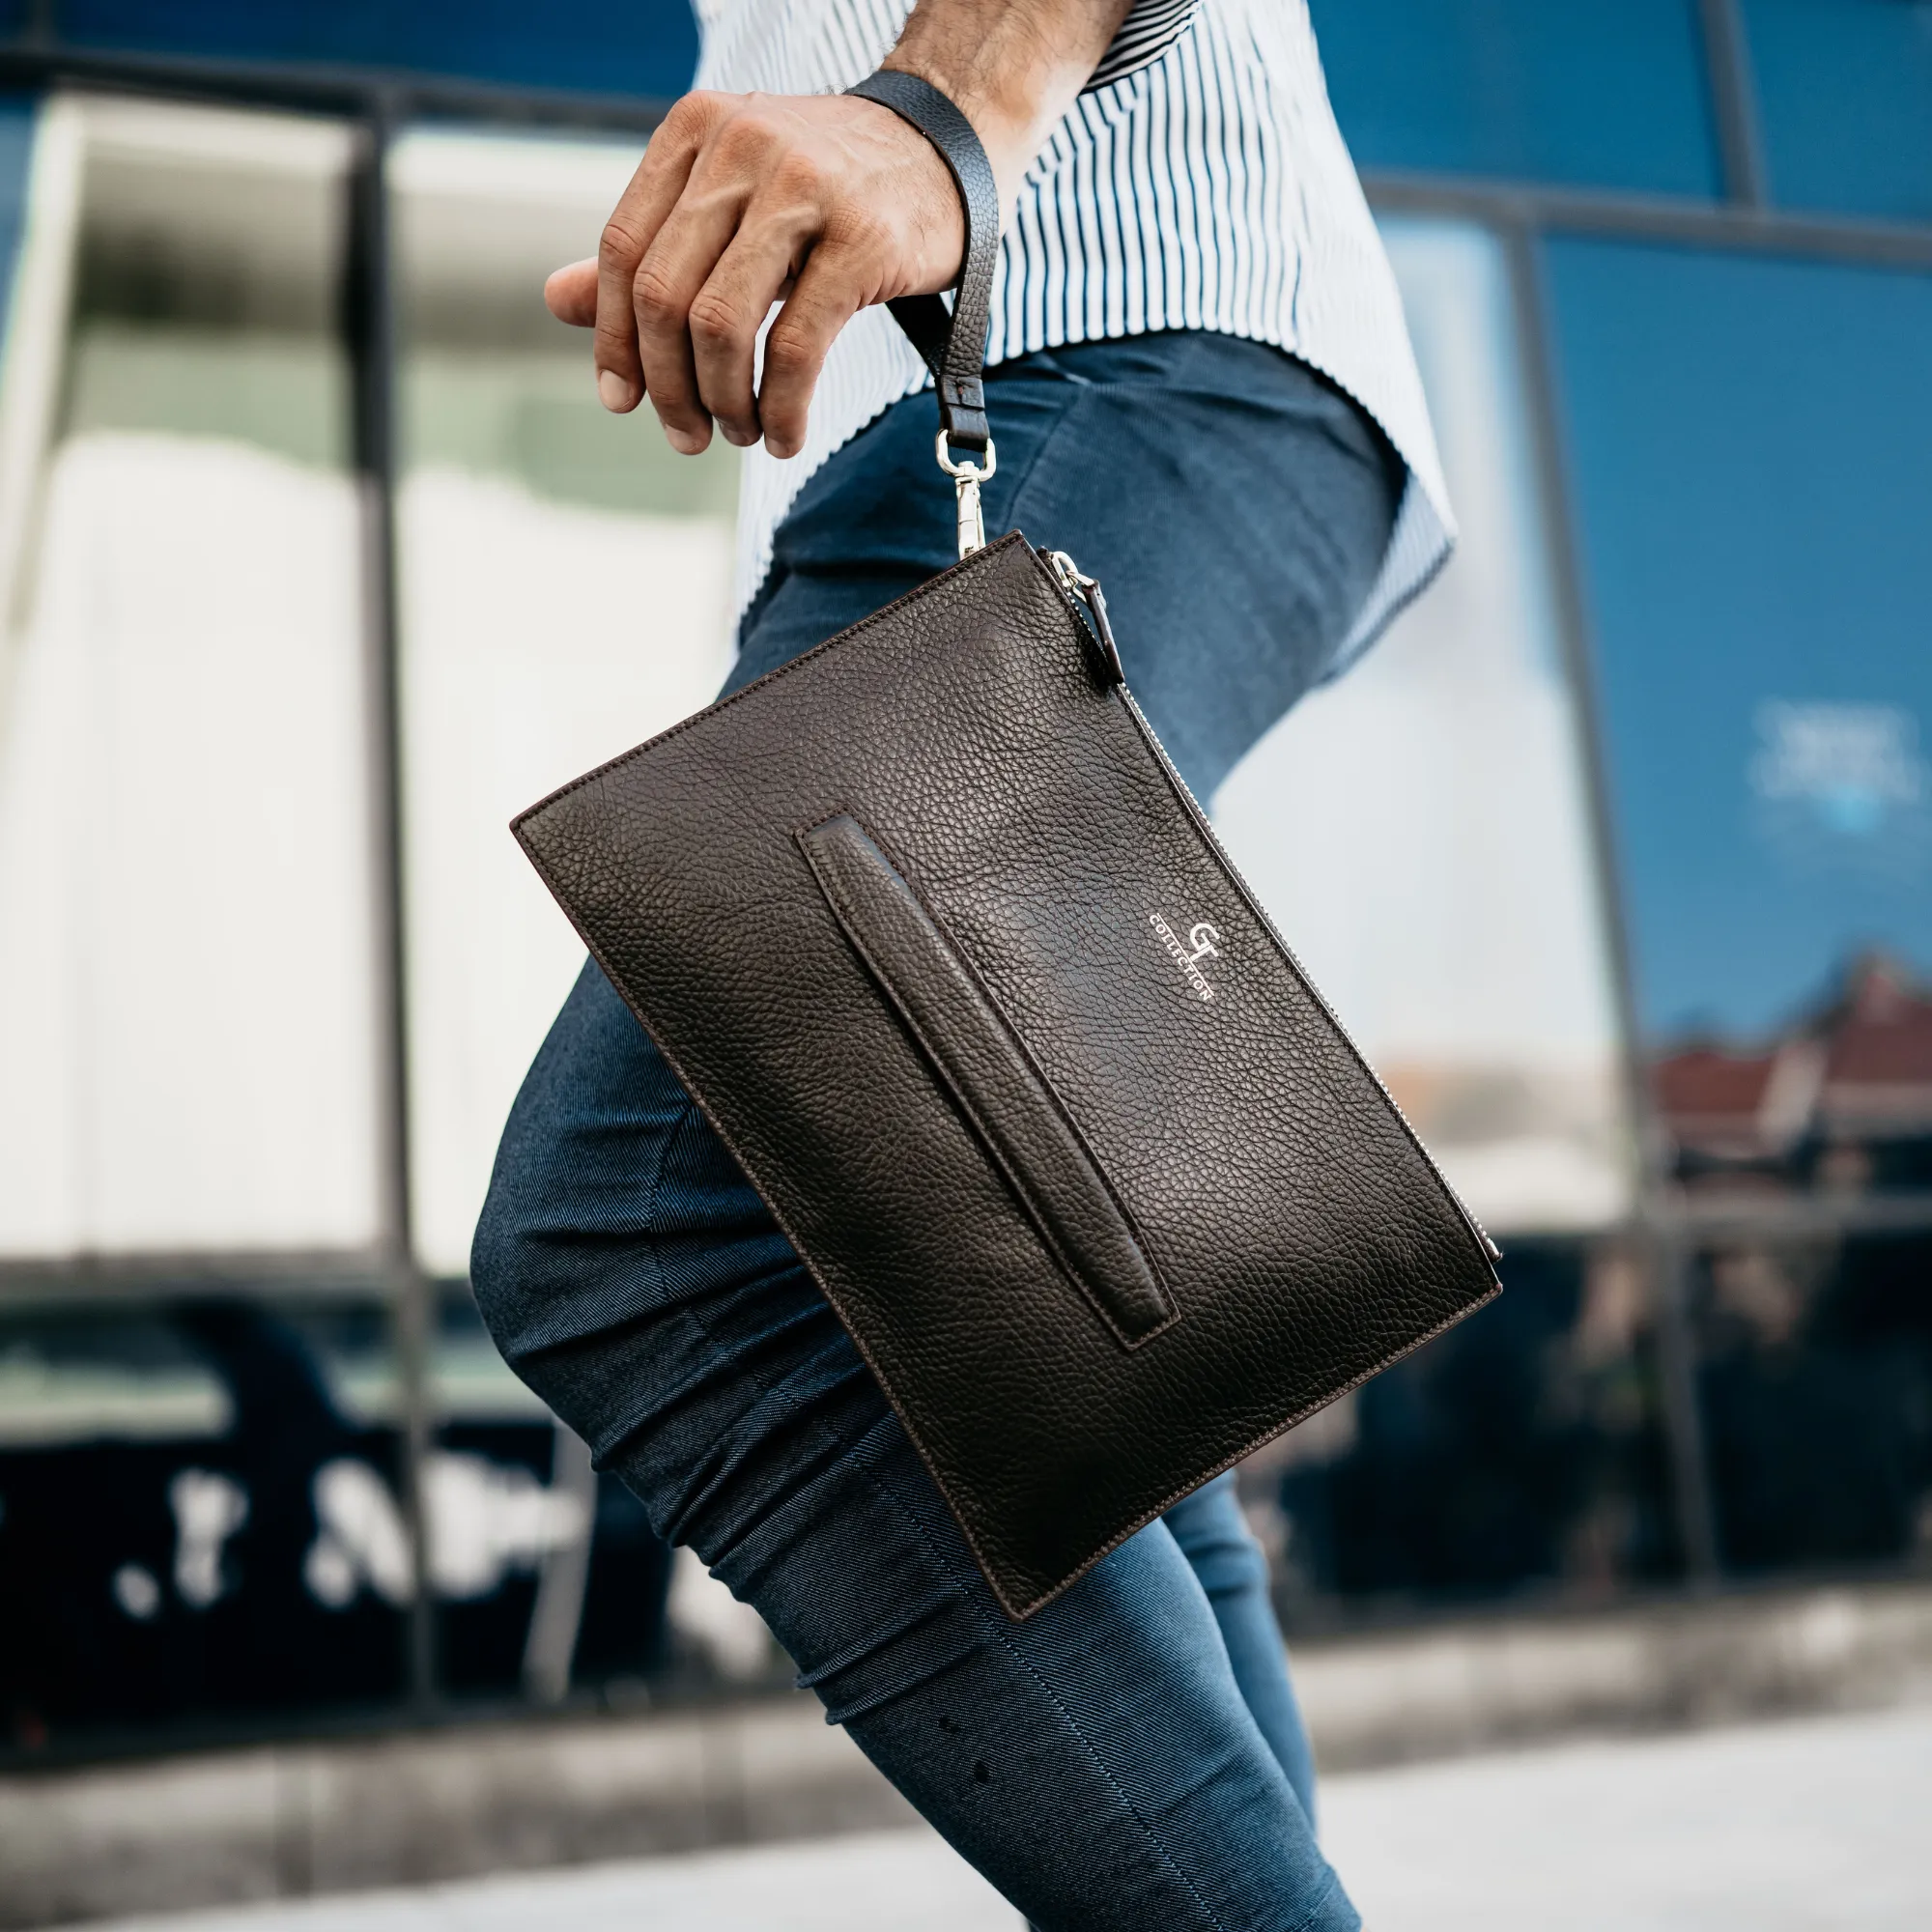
677,408
616,351
790,351
691,114
619,240
745,139
797,175
655,299
716,320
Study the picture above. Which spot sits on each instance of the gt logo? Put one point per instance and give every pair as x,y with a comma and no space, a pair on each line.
1204,937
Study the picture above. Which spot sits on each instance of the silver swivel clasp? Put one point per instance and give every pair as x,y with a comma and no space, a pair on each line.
966,480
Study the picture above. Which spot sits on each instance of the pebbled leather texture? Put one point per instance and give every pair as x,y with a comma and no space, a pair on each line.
952,342
990,1079
930,929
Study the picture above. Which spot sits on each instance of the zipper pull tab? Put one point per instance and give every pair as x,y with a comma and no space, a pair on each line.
1077,584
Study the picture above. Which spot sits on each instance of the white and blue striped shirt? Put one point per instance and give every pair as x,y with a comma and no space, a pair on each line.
1199,182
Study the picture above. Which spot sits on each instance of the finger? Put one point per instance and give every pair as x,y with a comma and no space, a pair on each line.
571,294
688,248
724,318
628,235
828,294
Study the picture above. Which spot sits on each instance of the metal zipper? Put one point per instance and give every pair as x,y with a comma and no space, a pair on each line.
1076,583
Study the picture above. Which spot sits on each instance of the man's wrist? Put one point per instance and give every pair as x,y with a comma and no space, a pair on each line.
1006,126
1011,67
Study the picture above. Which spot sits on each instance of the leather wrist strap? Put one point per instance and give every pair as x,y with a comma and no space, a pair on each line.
953,342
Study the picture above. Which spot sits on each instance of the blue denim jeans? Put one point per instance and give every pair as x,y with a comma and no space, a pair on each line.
1131,1757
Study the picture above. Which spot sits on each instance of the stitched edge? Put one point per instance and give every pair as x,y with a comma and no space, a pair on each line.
1247,1449
1218,856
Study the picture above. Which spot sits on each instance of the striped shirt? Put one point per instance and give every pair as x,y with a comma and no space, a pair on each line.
1199,183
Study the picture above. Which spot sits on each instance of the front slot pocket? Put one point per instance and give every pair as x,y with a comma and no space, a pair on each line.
975,1054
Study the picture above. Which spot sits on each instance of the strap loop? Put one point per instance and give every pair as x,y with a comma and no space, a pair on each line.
966,480
952,342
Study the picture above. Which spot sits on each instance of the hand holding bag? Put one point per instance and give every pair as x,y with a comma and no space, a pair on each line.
936,937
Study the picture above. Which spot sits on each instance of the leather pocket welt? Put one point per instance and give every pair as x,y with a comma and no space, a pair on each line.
995,1085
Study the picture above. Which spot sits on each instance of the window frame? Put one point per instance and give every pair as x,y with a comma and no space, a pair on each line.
380,105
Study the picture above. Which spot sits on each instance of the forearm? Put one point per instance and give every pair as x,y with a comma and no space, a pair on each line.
1013,67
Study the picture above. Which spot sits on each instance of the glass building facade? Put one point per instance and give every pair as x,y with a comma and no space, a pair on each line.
317,560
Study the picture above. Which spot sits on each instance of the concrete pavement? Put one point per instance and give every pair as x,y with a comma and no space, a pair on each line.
302,1818
1815,1825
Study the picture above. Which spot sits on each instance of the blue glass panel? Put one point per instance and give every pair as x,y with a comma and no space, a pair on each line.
639,46
1845,97
1750,441
17,153
1595,92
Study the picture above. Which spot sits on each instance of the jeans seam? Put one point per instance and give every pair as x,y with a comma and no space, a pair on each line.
1133,1810
650,1204
1320,1905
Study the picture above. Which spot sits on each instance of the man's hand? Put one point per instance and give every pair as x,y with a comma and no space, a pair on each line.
827,203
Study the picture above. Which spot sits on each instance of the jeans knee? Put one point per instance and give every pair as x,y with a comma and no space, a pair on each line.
1231,1565
492,1250
502,1260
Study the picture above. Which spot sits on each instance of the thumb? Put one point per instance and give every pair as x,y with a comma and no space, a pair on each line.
571,294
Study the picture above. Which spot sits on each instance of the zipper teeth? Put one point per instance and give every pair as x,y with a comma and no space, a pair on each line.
1060,565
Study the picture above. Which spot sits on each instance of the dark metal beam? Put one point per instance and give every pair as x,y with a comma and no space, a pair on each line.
1733,101
324,89
351,90
347,1276
1703,225
1796,1216
1663,1261
1672,1269
370,299
118,1278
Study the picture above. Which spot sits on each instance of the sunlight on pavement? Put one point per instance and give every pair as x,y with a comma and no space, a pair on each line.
1812,1826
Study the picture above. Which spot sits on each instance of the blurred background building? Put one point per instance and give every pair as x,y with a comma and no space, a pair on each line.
317,560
